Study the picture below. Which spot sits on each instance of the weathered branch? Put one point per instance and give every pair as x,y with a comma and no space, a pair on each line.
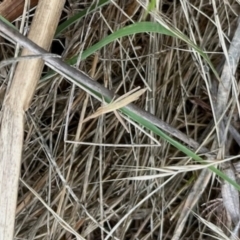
17,100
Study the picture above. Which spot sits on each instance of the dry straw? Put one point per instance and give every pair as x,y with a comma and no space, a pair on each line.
148,189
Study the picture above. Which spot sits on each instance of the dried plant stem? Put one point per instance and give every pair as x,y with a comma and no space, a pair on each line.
197,190
229,194
16,102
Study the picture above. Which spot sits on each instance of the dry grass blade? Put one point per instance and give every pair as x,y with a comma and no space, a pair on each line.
218,233
111,177
118,103
230,195
197,190
60,220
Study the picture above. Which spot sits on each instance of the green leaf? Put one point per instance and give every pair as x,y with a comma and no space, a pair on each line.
135,28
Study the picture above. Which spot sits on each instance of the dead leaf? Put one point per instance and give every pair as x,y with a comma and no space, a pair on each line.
118,103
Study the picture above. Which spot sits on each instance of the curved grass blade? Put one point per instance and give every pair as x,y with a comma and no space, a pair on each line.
123,32
142,27
135,28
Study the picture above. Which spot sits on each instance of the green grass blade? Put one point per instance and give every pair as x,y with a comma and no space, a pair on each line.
148,125
178,145
80,15
7,22
135,28
123,32
151,6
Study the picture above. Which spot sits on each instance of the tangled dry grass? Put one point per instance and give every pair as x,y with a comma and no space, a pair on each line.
93,177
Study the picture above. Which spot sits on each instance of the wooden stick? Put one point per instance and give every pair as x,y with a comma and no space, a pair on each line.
16,102
12,9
